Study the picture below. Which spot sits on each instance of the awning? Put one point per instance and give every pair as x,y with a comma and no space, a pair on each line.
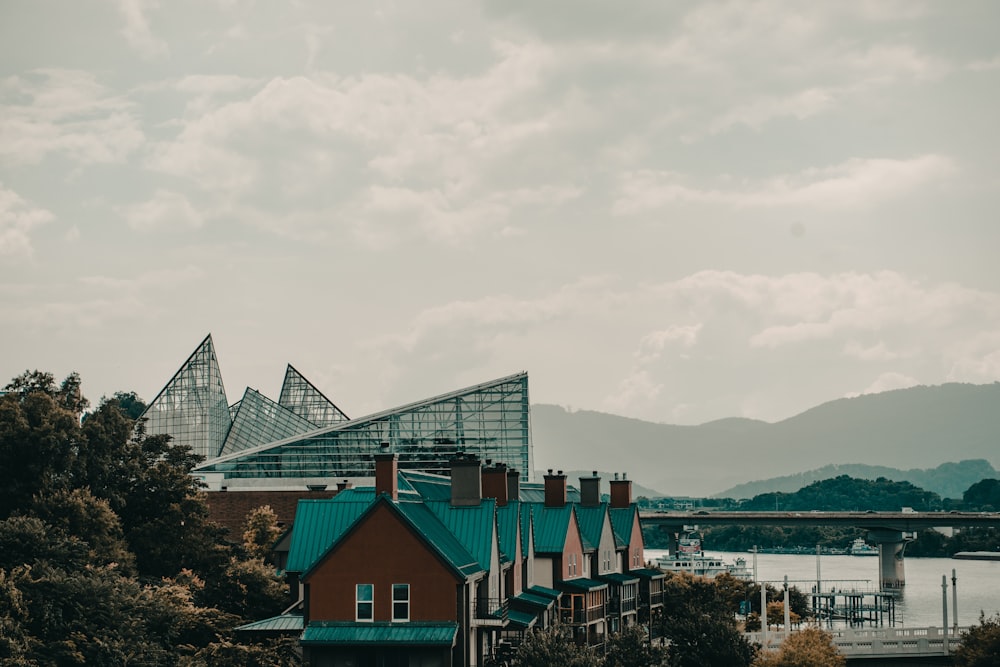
283,623
520,620
395,634
581,585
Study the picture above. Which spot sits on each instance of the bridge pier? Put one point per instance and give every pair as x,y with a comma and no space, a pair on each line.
891,545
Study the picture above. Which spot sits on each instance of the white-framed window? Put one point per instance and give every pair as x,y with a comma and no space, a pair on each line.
365,602
400,602
571,569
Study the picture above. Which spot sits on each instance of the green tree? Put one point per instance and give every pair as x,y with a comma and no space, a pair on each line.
631,648
983,496
554,646
980,645
699,627
261,532
80,515
810,647
274,653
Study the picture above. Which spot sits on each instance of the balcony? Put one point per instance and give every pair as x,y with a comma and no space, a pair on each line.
581,616
490,611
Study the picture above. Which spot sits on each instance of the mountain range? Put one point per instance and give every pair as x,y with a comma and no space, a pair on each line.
913,430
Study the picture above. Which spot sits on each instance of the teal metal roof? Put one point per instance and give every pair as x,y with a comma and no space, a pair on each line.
649,573
508,523
429,486
551,526
622,519
472,526
545,592
441,538
591,520
620,578
319,524
532,600
520,620
582,584
283,623
534,492
526,529
414,633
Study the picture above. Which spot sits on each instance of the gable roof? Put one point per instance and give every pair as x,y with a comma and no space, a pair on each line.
591,520
508,526
622,520
552,524
472,525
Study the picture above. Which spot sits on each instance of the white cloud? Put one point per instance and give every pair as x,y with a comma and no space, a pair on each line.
65,112
137,30
17,220
887,382
166,210
855,183
651,345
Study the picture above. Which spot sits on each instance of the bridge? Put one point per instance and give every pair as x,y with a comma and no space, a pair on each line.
877,645
889,530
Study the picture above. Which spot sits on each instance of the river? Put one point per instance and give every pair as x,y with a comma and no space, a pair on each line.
918,604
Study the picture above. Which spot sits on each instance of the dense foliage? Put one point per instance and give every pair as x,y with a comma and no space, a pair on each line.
810,647
980,645
107,556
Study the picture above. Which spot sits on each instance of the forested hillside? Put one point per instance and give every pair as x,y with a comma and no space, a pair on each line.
106,553
916,428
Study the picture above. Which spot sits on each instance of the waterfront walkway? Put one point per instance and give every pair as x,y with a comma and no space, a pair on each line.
861,643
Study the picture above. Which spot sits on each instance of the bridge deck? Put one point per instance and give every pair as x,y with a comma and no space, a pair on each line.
860,643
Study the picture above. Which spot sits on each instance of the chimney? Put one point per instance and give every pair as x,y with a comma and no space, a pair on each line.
466,480
343,486
590,490
555,489
495,483
513,485
386,465
621,491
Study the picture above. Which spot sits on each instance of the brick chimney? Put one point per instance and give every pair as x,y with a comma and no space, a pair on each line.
466,480
386,465
343,486
555,489
495,483
621,491
513,485
590,490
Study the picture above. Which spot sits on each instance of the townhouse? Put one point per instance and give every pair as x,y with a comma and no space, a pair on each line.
424,569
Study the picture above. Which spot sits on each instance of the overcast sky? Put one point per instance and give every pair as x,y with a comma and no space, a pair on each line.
672,211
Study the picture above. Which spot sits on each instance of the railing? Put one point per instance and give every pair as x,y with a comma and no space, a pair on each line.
656,597
581,616
877,642
491,608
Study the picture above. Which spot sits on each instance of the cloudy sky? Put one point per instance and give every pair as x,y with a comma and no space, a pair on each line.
673,211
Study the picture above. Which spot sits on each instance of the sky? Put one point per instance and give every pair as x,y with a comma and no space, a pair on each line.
672,211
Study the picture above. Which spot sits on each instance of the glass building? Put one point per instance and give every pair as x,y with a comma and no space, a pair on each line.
304,438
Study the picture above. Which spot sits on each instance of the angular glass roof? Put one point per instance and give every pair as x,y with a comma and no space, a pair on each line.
259,420
301,397
192,407
490,420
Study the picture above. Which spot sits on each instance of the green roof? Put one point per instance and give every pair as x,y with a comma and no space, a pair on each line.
545,592
591,520
429,486
582,584
534,492
318,524
532,600
621,522
648,573
620,578
551,526
440,537
283,623
414,633
526,529
521,620
508,519
472,525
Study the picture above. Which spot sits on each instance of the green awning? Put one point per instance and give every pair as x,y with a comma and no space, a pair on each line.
396,634
283,623
520,620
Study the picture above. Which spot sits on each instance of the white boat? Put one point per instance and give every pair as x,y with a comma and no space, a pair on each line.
861,548
691,559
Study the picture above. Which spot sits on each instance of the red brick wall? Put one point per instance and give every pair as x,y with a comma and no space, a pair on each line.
230,508
383,551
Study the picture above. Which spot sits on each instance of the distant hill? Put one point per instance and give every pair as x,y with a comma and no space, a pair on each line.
905,429
948,480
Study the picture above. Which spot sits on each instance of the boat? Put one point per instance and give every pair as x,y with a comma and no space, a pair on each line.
690,558
861,548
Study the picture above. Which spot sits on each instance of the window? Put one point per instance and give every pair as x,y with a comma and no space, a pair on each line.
365,602
571,570
400,602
